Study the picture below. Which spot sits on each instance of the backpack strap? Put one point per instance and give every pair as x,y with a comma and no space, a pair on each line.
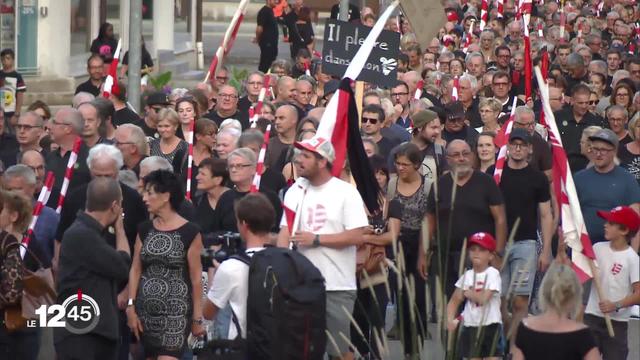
243,257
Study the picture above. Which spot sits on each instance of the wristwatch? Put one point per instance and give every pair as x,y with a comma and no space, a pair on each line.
199,321
618,306
131,302
316,241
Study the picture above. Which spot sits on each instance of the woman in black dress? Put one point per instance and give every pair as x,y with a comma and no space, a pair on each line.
165,279
212,179
554,334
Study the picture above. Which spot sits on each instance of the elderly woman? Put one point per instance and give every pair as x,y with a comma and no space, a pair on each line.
165,276
456,67
187,109
169,145
242,169
487,44
629,154
489,110
212,178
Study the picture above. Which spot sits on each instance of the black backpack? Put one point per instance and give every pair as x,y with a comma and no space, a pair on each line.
286,307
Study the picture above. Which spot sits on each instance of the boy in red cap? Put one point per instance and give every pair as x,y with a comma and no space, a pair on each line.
619,274
480,287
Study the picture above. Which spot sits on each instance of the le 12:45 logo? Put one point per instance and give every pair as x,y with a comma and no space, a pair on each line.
79,314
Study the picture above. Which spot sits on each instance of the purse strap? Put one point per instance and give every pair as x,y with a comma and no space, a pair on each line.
21,244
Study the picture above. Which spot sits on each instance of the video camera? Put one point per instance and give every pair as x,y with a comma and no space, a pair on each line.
230,244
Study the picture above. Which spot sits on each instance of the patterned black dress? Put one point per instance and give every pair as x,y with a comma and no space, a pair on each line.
164,303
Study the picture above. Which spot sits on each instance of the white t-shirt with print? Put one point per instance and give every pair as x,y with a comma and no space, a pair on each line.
618,271
231,286
331,208
489,313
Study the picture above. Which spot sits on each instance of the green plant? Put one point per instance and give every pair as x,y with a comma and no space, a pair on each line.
160,81
238,76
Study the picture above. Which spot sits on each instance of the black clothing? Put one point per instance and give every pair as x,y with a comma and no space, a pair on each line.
571,133
87,262
507,106
268,41
472,113
244,104
301,34
89,346
88,87
572,345
147,61
272,180
571,82
354,12
471,213
541,156
385,146
125,116
275,158
467,134
206,217
105,47
132,206
226,221
148,131
241,116
629,162
136,168
523,190
58,164
9,149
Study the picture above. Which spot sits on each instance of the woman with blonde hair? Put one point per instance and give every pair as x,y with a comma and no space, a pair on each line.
489,110
554,334
169,145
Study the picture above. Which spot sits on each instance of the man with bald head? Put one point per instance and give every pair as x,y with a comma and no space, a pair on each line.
478,207
227,107
286,122
304,93
65,128
29,130
286,89
35,161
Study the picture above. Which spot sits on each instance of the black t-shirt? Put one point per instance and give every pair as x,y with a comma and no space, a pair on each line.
58,164
473,114
272,180
125,116
523,190
241,116
244,104
147,61
506,107
471,213
206,217
385,146
132,206
571,133
88,87
148,131
9,149
226,221
267,20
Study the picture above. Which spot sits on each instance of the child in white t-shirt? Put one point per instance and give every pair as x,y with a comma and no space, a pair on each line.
480,288
619,275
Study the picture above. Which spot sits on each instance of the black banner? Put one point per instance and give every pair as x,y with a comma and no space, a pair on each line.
341,43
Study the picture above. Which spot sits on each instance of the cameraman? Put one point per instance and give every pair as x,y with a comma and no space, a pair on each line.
255,218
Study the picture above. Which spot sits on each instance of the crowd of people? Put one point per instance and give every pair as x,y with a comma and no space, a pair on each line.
448,235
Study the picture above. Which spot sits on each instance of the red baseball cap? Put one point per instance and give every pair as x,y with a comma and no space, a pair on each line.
622,215
483,239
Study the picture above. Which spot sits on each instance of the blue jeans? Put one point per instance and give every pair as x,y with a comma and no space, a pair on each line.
519,269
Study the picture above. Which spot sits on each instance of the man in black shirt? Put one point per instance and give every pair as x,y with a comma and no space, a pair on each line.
572,121
155,102
577,71
88,263
227,107
95,68
478,207
455,127
267,35
254,84
527,198
9,146
65,128
372,118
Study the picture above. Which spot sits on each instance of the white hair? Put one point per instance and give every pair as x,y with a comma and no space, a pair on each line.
20,171
230,131
81,98
153,163
105,151
231,123
473,82
244,153
179,92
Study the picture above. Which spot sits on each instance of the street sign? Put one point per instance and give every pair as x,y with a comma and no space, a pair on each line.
425,17
341,42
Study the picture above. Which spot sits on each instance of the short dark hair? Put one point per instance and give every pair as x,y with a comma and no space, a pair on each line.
411,151
257,212
217,167
9,52
580,89
501,74
93,57
402,83
375,109
164,181
501,47
101,193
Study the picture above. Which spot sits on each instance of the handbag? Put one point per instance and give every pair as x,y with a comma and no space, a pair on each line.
38,290
10,275
226,349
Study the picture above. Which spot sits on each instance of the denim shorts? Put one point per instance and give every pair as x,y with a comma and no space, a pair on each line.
519,269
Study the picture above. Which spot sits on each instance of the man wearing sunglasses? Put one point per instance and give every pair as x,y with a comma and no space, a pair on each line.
155,102
455,127
372,119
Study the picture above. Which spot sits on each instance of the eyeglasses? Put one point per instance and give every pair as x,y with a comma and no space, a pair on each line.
602,151
227,96
518,146
399,94
54,122
402,165
26,127
620,120
499,84
527,124
238,166
369,120
157,108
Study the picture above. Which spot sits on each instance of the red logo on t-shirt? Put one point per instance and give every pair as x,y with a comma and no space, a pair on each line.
616,268
316,217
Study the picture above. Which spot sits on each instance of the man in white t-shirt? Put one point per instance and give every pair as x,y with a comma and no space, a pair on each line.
254,216
331,219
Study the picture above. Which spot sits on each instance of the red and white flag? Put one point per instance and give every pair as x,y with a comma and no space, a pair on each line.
73,158
418,94
500,8
228,40
528,64
255,185
110,85
572,222
455,89
501,140
484,14
255,111
37,210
